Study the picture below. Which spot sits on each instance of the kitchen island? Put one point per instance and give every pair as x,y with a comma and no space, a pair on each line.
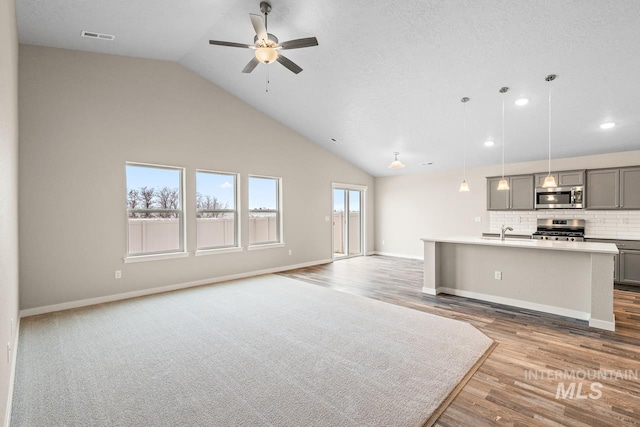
573,279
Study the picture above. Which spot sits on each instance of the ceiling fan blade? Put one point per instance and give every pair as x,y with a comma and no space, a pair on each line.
230,44
289,64
258,25
298,43
251,65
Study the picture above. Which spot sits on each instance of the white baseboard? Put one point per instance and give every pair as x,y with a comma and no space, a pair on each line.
126,295
421,258
602,324
12,375
514,303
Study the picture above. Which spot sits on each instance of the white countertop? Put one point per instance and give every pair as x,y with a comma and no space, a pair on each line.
592,247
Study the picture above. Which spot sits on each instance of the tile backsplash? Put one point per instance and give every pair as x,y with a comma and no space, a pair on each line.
599,224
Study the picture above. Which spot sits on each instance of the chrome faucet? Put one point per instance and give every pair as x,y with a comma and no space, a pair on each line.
504,230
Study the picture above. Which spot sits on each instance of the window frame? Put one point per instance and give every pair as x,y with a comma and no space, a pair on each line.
237,234
181,214
278,212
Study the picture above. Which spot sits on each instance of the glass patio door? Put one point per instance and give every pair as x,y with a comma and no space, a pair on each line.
347,222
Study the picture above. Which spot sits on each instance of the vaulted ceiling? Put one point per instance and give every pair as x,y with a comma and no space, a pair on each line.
389,75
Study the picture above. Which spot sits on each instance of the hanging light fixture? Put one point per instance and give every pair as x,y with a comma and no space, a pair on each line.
396,164
464,186
503,184
550,181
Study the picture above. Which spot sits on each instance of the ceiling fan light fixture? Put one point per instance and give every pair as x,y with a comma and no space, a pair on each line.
266,55
396,164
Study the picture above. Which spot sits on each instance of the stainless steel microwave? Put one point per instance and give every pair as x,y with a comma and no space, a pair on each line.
560,198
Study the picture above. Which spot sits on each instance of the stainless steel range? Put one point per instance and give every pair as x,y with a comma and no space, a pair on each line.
571,230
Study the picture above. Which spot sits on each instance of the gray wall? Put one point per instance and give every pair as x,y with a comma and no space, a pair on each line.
83,115
8,192
410,207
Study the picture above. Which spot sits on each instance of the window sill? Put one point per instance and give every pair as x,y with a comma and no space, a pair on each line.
265,246
204,252
154,257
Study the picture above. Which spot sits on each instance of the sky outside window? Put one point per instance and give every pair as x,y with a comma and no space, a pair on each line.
144,176
263,193
220,186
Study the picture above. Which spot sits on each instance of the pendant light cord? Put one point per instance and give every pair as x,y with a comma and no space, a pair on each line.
549,128
503,95
464,143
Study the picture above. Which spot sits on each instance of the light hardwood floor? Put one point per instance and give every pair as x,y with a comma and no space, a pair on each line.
500,393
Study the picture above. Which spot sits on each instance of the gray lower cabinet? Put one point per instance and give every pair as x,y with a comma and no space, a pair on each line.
518,197
627,263
563,179
629,267
603,189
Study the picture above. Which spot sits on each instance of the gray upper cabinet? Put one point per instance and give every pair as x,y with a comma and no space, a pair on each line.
496,200
630,188
539,177
564,179
617,188
521,193
571,178
603,189
518,197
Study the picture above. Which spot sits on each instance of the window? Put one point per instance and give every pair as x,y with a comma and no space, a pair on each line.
264,210
154,209
216,210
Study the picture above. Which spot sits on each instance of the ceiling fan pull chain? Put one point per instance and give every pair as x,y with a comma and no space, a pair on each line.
266,86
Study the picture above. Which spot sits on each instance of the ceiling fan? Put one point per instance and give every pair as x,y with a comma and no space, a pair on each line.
266,46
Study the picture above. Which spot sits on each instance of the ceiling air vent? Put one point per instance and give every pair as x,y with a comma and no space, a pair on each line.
94,35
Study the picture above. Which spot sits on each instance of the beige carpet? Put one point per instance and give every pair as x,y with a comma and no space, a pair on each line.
266,351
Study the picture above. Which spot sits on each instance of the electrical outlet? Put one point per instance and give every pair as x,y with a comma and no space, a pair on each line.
327,219
290,252
477,219
8,352
383,243
118,274
498,275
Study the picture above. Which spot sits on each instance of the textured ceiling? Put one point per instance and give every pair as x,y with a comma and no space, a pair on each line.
388,75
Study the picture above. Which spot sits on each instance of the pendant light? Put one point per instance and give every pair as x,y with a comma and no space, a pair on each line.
550,181
464,186
503,184
396,164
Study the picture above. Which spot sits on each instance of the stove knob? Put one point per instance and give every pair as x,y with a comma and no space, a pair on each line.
573,239
556,238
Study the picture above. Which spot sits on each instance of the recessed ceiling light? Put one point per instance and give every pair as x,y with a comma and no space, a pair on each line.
522,101
335,141
489,143
607,125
